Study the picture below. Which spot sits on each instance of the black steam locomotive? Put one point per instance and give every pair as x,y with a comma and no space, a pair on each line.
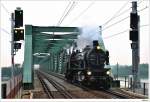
87,67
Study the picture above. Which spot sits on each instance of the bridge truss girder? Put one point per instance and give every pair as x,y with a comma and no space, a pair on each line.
45,46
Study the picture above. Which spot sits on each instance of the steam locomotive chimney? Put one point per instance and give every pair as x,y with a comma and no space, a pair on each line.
95,43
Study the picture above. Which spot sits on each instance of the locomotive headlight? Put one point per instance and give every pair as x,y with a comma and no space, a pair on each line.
89,72
108,72
15,31
98,47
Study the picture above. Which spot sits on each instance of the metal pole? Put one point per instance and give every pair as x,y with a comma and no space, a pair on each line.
128,82
12,52
135,53
117,70
144,88
125,81
131,83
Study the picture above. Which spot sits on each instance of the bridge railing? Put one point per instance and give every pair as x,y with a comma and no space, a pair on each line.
126,82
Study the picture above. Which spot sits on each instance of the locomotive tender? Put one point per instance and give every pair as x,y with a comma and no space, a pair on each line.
87,67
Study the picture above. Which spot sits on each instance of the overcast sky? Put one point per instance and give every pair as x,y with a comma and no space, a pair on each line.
48,13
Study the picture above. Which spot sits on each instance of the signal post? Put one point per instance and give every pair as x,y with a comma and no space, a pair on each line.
17,34
134,37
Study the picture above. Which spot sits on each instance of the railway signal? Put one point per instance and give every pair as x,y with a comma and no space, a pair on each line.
18,34
133,20
18,18
17,46
134,37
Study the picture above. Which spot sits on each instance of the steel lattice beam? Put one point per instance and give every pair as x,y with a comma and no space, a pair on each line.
38,29
39,39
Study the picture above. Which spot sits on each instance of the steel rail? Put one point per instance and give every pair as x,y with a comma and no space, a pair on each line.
61,89
45,87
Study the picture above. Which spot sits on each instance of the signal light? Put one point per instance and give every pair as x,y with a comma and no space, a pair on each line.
134,35
18,18
17,45
133,20
18,34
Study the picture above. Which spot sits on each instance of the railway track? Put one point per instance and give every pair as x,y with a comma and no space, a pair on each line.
111,93
96,93
103,93
117,95
45,87
61,90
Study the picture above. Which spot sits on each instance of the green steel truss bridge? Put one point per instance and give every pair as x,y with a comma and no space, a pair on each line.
46,46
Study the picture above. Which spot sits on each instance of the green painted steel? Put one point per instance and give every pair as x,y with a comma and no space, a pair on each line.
62,36
45,46
38,29
28,59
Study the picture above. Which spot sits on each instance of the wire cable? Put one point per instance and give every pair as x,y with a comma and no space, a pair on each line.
140,1
85,10
2,29
122,19
123,12
114,16
123,32
116,34
117,13
65,15
143,9
70,9
64,12
144,25
115,23
5,8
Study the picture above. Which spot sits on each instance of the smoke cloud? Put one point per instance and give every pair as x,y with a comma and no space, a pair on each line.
88,34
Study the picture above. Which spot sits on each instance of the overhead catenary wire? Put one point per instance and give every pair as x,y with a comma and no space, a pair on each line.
114,16
64,12
2,29
123,12
143,9
140,1
145,25
6,10
65,15
123,32
122,20
2,5
117,14
115,23
67,12
116,34
111,24
83,12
